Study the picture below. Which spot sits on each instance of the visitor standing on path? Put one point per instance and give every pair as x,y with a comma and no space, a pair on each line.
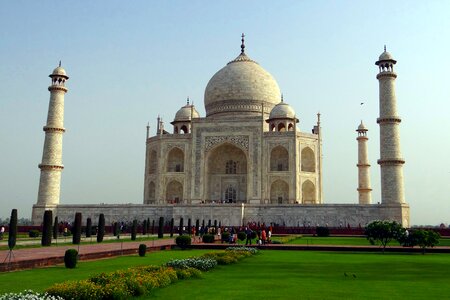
249,236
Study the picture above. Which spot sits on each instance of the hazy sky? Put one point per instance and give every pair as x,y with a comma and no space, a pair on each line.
130,61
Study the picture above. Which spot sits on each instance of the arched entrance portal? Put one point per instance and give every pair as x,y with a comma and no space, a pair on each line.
226,175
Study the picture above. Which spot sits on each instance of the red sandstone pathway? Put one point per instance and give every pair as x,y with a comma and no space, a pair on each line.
23,258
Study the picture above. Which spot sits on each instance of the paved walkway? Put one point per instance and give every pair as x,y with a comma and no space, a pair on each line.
44,256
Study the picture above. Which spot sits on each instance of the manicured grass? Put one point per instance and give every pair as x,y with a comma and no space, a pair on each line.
40,279
320,275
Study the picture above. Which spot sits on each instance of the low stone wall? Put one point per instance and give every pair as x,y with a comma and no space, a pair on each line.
333,215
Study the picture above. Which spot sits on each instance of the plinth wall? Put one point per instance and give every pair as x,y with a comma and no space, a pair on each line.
333,215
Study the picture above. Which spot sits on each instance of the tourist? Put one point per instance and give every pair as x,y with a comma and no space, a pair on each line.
2,231
263,236
248,231
269,236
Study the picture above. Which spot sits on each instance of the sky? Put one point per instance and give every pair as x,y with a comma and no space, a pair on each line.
130,61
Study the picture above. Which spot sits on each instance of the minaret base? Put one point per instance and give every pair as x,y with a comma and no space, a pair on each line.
37,214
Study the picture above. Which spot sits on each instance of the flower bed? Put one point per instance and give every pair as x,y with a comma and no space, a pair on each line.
29,295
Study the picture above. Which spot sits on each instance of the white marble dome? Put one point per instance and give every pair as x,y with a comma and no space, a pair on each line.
282,111
184,113
362,127
240,88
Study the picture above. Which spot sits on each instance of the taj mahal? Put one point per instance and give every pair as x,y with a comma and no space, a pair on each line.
246,160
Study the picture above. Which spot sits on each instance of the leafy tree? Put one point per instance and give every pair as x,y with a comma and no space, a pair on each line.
384,232
101,228
133,230
161,228
76,239
47,229
88,227
12,234
55,228
426,238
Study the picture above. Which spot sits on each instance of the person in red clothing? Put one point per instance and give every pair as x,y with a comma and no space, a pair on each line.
263,236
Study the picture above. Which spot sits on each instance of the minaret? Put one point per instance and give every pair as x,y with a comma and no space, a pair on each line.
391,161
51,166
364,190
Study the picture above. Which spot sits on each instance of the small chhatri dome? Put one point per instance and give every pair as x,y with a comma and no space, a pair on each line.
362,127
385,56
241,87
59,71
184,113
282,111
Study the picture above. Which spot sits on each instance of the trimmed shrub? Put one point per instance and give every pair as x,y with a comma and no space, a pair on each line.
183,241
77,229
88,227
188,273
142,250
55,228
33,233
101,228
148,225
241,236
161,228
116,229
322,231
153,227
200,263
225,236
208,238
133,230
12,229
189,227
71,258
47,229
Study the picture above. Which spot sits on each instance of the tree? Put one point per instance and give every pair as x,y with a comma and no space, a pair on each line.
47,229
76,239
189,227
180,229
197,227
88,227
426,238
144,227
55,228
148,225
153,227
12,234
100,228
133,230
384,232
171,227
161,228
116,228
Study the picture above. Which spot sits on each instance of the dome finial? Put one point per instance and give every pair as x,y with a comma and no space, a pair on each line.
187,101
282,99
59,63
384,48
242,44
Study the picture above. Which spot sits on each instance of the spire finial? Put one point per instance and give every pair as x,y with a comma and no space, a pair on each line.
59,63
242,44
282,99
318,118
384,48
187,101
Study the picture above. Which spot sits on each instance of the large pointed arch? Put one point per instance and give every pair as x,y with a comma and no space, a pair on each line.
226,170
153,162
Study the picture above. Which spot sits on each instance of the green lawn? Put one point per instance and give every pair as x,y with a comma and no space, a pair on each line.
320,275
40,279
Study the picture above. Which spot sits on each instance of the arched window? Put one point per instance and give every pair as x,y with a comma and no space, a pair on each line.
279,192
153,162
175,160
308,162
291,127
281,127
279,159
184,129
230,194
174,192
230,167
